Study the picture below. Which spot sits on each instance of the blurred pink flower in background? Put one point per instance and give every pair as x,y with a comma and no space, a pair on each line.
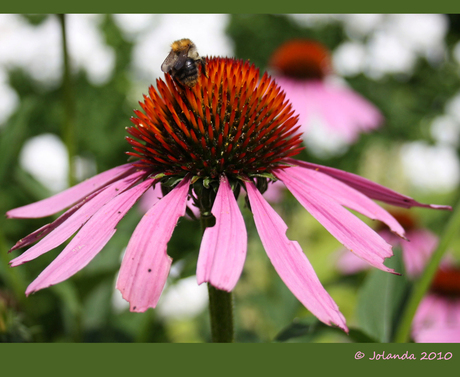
275,192
303,69
437,319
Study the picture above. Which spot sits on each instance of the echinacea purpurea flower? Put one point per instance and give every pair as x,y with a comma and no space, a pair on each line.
231,131
303,69
437,319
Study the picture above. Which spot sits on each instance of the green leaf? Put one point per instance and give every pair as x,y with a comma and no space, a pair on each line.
70,307
311,328
296,330
380,300
265,175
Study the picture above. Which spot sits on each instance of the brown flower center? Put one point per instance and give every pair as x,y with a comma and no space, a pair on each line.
447,282
406,220
231,122
302,59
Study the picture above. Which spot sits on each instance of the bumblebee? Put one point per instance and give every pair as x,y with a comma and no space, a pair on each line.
182,63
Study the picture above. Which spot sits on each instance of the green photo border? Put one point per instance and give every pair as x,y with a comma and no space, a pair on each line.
217,359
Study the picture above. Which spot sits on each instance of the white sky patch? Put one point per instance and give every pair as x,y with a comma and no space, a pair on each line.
182,300
453,107
456,52
396,45
392,42
9,99
45,158
133,24
313,20
207,31
431,168
118,302
38,49
445,130
420,32
35,49
387,54
85,168
349,58
360,25
185,299
88,48
321,142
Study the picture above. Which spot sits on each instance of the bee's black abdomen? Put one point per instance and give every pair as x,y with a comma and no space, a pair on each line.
188,74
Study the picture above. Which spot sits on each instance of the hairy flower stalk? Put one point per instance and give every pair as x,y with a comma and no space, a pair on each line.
233,132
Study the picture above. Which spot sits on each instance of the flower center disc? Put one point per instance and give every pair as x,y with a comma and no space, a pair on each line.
231,122
447,282
302,59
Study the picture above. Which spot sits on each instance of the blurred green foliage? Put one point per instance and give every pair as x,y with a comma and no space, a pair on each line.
81,309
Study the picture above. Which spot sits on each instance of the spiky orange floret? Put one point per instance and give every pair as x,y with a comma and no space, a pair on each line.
302,59
230,122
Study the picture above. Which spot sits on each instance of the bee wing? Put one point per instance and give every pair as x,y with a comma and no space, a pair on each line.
180,59
169,62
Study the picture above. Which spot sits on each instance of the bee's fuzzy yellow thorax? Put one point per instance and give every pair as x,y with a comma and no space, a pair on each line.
181,44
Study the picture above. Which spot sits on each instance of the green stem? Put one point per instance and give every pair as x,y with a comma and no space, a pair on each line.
68,127
220,306
423,283
221,314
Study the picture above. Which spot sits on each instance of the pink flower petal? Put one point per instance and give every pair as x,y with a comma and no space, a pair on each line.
146,264
155,195
418,251
336,118
291,263
351,113
427,313
348,263
355,235
275,192
150,198
438,334
367,187
64,199
46,229
223,248
298,97
93,236
62,232
345,195
436,320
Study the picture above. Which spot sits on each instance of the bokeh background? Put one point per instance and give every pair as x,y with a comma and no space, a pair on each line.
407,65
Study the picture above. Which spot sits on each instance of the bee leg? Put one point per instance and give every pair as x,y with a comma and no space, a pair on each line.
180,85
